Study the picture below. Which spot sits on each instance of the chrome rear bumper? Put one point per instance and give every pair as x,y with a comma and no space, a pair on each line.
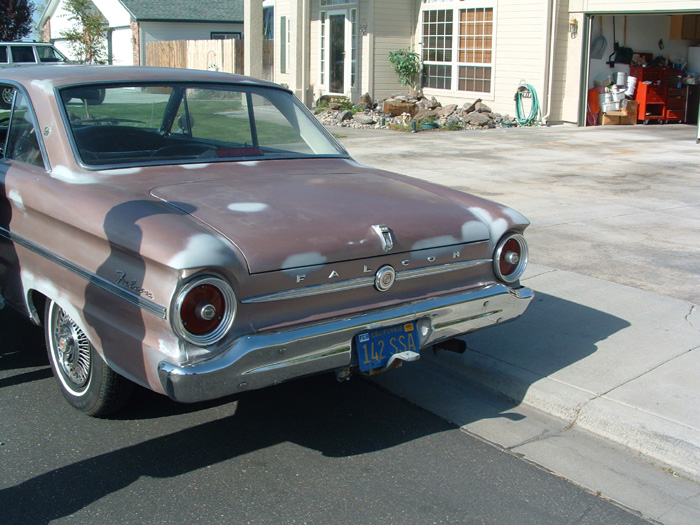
265,359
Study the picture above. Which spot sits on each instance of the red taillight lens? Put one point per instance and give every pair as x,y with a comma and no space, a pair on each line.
202,310
510,258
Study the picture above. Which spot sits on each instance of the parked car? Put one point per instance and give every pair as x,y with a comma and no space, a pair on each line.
201,234
26,53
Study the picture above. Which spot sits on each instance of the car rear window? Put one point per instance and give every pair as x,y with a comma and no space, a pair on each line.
130,125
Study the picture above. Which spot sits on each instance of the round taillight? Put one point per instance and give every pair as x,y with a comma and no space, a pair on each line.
204,310
510,258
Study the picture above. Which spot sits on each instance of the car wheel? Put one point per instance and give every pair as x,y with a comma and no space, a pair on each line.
6,98
99,100
84,378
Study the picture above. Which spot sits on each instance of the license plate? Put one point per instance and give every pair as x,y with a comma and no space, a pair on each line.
374,348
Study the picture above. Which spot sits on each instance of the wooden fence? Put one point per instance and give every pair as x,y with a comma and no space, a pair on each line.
221,55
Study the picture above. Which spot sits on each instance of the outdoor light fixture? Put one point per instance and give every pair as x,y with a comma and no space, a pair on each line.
573,27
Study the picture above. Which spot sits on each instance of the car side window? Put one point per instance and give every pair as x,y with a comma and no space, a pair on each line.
22,142
23,55
47,54
3,55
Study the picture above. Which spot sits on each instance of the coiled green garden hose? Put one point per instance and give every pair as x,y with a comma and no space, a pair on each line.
525,90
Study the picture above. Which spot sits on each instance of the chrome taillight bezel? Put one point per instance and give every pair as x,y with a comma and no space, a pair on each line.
229,314
521,264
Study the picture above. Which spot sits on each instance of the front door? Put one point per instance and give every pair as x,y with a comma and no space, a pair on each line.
336,51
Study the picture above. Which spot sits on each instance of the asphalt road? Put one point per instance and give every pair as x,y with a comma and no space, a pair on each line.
311,451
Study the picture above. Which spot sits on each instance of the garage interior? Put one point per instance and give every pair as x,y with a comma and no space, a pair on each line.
643,69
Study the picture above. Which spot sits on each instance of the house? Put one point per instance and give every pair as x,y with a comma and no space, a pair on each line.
473,48
134,23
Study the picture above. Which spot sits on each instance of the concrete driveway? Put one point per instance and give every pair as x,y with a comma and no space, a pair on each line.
620,203
611,343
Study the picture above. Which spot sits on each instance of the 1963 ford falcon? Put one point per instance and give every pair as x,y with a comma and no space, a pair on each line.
201,234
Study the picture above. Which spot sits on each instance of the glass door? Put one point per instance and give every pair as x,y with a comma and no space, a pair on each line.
337,55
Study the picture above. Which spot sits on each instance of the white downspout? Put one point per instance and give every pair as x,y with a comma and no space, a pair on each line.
552,15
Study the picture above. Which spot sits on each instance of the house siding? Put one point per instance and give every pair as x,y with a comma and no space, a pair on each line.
394,27
520,51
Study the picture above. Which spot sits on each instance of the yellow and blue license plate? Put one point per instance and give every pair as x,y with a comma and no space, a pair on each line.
375,347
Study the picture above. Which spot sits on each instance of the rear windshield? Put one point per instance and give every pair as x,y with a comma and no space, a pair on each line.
131,125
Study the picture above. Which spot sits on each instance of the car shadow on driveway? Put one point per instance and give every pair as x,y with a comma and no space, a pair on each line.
339,420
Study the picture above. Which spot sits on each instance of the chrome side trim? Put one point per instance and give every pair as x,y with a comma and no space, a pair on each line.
95,279
443,268
361,282
318,289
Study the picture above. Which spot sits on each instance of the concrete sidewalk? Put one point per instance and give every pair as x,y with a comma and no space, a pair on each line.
611,344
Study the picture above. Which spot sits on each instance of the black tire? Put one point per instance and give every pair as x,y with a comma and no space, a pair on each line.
85,380
99,100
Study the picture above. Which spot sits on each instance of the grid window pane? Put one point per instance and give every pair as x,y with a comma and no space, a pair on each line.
475,47
474,78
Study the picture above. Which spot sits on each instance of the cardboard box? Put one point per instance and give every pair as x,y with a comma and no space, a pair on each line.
624,117
630,116
611,118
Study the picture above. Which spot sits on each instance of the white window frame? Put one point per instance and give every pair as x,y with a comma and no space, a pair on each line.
454,64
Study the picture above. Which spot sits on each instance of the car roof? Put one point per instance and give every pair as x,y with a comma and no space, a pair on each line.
26,44
65,75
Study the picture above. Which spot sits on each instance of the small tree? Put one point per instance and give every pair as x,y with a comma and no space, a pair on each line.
87,37
15,19
407,66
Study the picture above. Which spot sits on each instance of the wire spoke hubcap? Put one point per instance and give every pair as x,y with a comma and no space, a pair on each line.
72,350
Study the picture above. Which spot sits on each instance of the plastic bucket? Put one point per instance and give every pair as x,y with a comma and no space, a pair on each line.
631,86
620,78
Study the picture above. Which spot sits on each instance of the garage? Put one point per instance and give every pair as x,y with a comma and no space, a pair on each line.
641,67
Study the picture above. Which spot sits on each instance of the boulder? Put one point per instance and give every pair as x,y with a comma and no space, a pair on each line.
481,107
363,118
342,116
477,119
446,111
425,113
365,102
468,108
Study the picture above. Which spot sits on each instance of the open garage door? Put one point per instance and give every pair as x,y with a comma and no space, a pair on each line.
643,68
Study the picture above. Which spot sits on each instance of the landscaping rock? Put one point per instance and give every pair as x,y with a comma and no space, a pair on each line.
446,111
425,113
468,108
342,116
400,109
365,102
481,107
363,118
477,119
